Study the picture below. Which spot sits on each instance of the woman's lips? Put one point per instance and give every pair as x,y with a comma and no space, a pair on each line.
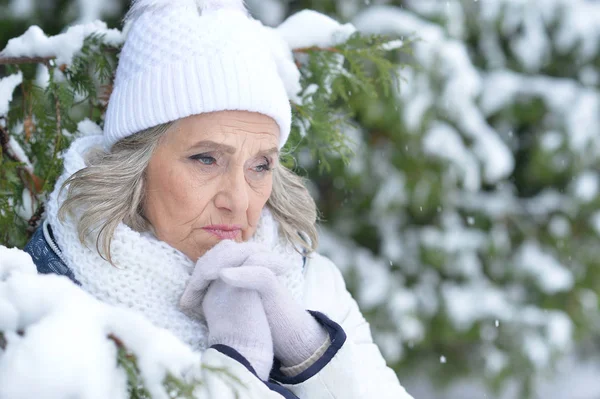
224,232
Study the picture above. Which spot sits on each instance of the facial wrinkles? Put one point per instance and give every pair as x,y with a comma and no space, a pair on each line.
232,173
239,171
184,192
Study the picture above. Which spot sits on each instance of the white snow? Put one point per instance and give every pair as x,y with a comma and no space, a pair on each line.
88,128
595,222
270,12
21,8
19,153
532,46
91,10
42,77
447,58
14,260
576,104
467,304
28,205
495,361
586,186
578,24
391,192
559,330
551,140
378,289
535,348
309,28
392,246
453,239
390,345
64,46
65,332
577,379
393,45
373,274
445,142
559,226
417,96
7,87
546,271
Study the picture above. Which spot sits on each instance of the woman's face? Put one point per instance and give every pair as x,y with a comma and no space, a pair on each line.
209,178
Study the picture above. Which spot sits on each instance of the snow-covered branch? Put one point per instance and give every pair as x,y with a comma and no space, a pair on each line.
25,60
50,325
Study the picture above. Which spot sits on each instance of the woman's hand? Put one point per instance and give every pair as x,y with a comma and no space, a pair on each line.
236,318
296,334
227,253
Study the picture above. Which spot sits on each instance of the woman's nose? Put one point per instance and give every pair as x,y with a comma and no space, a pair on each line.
233,195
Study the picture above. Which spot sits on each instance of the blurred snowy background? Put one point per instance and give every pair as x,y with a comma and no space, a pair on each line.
468,222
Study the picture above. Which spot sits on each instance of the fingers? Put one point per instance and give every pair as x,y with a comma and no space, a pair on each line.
256,278
268,260
227,253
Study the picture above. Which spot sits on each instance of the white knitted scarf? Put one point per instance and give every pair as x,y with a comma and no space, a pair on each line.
151,275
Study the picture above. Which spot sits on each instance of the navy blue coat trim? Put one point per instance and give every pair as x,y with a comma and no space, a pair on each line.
274,386
45,259
237,356
337,337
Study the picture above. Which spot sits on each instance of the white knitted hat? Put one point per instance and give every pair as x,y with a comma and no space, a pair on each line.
186,57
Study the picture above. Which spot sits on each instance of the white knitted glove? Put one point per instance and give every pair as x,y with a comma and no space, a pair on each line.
227,253
296,334
236,318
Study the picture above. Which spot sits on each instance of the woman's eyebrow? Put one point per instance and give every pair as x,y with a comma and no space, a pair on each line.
209,144
213,145
270,151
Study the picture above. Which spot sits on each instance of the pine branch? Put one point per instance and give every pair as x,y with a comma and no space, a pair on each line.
58,130
33,222
25,60
4,143
316,48
330,77
28,177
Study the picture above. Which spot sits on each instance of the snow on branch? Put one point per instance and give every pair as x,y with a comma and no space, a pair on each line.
309,28
35,45
48,324
7,87
25,60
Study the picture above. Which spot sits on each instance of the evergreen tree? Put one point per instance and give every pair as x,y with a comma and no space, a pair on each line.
467,218
467,221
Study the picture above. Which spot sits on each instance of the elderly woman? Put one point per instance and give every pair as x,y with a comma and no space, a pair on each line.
181,211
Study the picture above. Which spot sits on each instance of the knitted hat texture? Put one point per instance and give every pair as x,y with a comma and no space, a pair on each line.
187,57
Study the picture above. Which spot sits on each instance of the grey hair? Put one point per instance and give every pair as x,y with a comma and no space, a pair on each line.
110,190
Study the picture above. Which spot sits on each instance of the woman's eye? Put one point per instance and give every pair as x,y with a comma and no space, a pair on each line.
264,167
204,159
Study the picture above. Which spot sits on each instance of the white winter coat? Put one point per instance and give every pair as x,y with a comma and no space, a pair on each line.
357,370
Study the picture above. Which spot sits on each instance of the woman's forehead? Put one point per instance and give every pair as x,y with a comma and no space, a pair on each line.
231,120
233,129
